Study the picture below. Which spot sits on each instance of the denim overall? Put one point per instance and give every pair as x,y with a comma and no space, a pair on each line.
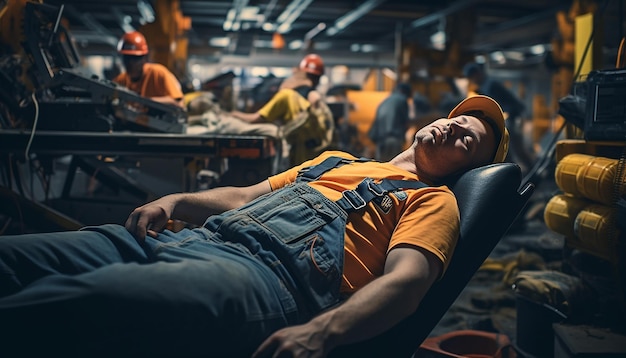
218,290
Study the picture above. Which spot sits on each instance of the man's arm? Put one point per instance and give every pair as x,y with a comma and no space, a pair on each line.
190,207
409,273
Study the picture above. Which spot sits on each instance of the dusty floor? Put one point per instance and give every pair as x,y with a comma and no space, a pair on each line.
489,302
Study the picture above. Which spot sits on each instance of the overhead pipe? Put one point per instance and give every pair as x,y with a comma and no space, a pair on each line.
346,20
291,14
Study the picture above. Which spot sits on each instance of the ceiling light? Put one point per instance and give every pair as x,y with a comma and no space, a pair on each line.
233,17
352,16
538,49
219,41
249,13
367,47
314,31
230,17
296,44
438,40
498,57
290,14
146,11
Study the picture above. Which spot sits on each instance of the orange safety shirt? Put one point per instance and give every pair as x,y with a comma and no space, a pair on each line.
427,217
156,81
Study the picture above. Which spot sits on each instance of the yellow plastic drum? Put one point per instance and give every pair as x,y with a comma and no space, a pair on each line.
594,180
560,213
566,171
595,229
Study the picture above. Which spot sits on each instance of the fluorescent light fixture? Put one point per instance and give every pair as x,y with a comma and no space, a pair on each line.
314,31
288,10
291,13
538,49
228,23
498,57
438,40
219,41
269,27
352,16
234,15
285,26
249,13
146,11
296,44
367,48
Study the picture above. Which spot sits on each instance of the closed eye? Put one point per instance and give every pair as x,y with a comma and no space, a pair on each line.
469,142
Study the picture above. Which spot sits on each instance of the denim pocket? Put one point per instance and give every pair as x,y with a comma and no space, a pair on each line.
300,236
294,221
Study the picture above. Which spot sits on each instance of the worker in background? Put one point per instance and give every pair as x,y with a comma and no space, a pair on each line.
391,123
511,105
151,80
305,119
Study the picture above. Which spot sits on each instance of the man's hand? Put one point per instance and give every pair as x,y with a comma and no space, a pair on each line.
150,219
296,341
376,307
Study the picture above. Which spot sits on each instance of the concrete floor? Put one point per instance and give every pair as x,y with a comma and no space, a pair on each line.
490,303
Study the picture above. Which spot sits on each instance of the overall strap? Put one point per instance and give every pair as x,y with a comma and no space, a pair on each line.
315,172
355,199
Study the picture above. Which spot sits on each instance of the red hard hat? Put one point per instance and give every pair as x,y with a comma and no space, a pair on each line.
312,64
132,43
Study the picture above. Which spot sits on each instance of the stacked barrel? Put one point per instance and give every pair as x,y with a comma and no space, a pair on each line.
585,212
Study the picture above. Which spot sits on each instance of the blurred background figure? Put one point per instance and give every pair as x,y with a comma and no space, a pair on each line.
151,80
304,118
483,84
391,122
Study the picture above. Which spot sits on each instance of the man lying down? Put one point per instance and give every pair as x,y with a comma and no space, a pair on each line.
330,252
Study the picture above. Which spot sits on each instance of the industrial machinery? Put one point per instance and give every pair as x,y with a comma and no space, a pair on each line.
51,110
67,98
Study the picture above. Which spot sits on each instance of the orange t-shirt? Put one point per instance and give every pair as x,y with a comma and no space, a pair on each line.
156,81
427,218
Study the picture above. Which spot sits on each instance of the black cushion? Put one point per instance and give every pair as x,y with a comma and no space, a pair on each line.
490,198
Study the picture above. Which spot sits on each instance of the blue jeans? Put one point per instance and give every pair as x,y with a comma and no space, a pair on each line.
215,291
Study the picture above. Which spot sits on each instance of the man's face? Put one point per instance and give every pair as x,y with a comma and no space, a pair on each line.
447,146
134,66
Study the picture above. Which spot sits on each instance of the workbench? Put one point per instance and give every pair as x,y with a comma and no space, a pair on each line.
134,167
